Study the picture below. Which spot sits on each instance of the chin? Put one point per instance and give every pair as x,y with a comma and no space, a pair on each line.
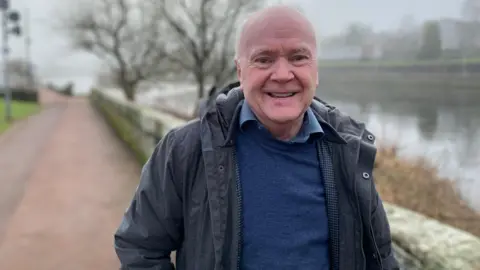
284,118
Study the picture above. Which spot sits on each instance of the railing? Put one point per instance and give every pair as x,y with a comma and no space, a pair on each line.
420,243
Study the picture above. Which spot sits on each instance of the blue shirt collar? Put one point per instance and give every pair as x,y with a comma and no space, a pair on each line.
310,125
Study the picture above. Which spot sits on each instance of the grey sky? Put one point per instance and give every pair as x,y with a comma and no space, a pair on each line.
333,15
56,61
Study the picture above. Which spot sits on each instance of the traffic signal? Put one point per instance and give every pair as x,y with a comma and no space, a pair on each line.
16,30
13,16
4,4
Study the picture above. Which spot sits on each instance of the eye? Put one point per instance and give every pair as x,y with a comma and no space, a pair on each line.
263,60
299,57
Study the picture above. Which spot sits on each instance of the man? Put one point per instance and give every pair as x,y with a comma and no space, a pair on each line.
269,178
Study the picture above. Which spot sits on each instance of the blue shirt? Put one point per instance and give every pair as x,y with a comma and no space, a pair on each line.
284,217
310,124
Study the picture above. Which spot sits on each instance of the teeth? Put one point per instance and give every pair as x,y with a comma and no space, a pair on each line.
281,95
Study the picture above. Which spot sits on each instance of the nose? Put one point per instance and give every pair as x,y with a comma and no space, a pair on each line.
282,71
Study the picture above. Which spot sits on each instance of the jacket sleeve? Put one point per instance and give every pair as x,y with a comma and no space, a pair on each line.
151,227
381,232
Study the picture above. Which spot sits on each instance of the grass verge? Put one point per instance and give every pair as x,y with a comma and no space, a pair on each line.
415,184
19,109
123,129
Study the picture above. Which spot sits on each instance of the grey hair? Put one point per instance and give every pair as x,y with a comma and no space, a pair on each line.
246,19
238,33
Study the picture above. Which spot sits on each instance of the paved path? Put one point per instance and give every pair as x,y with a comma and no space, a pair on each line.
66,181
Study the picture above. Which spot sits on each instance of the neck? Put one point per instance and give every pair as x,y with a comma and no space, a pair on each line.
284,131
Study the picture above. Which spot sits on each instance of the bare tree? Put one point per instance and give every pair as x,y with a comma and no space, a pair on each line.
203,36
105,79
360,35
125,34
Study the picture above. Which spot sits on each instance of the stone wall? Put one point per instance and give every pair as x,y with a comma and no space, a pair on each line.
420,243
138,126
424,243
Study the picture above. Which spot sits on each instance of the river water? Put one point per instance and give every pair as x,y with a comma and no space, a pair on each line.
442,125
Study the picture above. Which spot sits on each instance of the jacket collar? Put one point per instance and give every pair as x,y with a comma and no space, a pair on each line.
310,127
223,117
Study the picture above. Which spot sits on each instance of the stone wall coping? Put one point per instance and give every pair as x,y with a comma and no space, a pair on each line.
436,245
167,120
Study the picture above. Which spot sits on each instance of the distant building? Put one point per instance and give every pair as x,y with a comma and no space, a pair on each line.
450,33
458,34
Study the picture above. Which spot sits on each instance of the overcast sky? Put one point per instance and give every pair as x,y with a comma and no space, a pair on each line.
56,61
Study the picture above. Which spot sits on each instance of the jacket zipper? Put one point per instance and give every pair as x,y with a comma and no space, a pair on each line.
377,251
357,202
239,209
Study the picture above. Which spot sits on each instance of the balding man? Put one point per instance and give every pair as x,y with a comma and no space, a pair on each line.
269,178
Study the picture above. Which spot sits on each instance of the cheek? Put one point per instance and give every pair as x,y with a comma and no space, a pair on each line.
254,80
307,77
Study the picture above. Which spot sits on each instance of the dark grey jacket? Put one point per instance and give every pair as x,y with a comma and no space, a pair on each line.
189,200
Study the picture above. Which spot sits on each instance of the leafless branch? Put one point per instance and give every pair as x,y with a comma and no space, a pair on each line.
126,34
203,33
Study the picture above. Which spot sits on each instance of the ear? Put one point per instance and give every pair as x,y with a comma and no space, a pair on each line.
239,70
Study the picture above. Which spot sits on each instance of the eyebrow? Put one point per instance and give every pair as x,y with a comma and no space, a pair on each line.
303,48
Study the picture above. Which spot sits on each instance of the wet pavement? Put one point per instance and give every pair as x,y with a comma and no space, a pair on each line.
66,181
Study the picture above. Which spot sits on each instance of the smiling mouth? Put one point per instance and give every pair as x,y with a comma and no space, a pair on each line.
282,95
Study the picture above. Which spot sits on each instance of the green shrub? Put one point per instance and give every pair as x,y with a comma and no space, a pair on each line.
19,94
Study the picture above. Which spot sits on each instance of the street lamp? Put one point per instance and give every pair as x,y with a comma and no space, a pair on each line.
10,26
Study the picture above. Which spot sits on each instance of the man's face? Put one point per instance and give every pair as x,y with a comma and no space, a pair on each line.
277,68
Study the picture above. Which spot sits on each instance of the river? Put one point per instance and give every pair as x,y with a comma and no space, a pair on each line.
442,125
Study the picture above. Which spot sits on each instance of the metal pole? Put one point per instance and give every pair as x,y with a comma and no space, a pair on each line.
6,85
28,44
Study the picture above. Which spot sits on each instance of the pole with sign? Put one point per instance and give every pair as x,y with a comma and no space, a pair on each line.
7,17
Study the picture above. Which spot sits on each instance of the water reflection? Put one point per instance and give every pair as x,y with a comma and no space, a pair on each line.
427,122
443,126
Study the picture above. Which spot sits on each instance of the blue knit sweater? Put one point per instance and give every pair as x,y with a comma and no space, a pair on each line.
284,212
